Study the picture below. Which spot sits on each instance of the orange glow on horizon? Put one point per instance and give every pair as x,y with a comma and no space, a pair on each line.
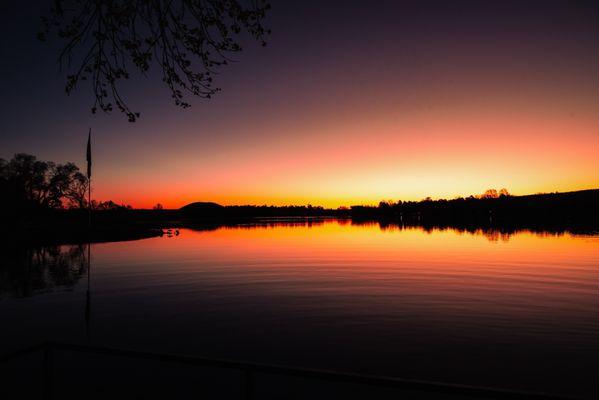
441,154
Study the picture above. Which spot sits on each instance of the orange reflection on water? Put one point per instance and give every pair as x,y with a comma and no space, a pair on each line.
368,252
441,304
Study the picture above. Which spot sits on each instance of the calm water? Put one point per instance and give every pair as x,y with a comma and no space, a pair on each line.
518,311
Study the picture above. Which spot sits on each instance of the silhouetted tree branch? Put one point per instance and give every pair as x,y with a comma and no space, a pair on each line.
187,39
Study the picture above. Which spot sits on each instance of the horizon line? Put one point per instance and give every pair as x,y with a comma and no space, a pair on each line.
428,198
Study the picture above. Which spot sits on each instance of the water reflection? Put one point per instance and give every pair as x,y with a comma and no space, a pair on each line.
493,234
517,308
27,271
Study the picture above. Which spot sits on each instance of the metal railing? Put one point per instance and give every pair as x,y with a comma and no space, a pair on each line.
251,369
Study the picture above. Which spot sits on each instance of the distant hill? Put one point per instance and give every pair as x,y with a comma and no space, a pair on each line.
589,194
203,209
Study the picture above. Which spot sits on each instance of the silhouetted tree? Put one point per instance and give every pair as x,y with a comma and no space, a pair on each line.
109,205
67,186
489,194
187,39
31,183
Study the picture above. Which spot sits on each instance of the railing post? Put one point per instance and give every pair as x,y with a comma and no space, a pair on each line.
249,384
48,371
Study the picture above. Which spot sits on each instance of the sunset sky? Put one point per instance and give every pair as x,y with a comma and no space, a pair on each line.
350,102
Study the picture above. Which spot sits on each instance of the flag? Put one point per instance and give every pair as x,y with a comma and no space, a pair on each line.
89,154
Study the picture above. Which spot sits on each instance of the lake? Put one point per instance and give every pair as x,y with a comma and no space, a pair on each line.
517,310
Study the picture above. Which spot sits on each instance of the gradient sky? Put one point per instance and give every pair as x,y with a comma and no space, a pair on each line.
350,102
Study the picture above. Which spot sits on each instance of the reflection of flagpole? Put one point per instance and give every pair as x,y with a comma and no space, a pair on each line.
88,294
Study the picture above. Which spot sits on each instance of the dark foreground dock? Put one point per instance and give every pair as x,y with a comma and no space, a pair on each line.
62,371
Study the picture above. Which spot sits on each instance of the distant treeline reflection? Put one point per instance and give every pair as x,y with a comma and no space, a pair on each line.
491,233
27,271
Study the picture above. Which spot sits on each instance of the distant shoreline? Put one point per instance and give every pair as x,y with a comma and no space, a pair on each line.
556,212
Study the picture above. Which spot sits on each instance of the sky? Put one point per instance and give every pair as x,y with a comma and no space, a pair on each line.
350,102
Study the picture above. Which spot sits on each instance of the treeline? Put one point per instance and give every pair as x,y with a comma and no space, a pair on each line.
274,211
575,209
216,211
46,202
494,208
30,186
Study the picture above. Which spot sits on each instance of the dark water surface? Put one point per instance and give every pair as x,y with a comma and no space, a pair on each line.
517,311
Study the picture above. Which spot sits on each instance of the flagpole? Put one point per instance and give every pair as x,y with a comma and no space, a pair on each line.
89,204
89,179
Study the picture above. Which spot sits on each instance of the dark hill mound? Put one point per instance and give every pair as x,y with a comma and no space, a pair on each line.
203,209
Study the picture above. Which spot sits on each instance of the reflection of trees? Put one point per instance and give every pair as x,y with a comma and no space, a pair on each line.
493,234
290,222
31,270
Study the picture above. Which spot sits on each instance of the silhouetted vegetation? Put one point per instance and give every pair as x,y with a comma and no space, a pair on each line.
44,203
29,184
207,210
187,39
551,210
492,208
